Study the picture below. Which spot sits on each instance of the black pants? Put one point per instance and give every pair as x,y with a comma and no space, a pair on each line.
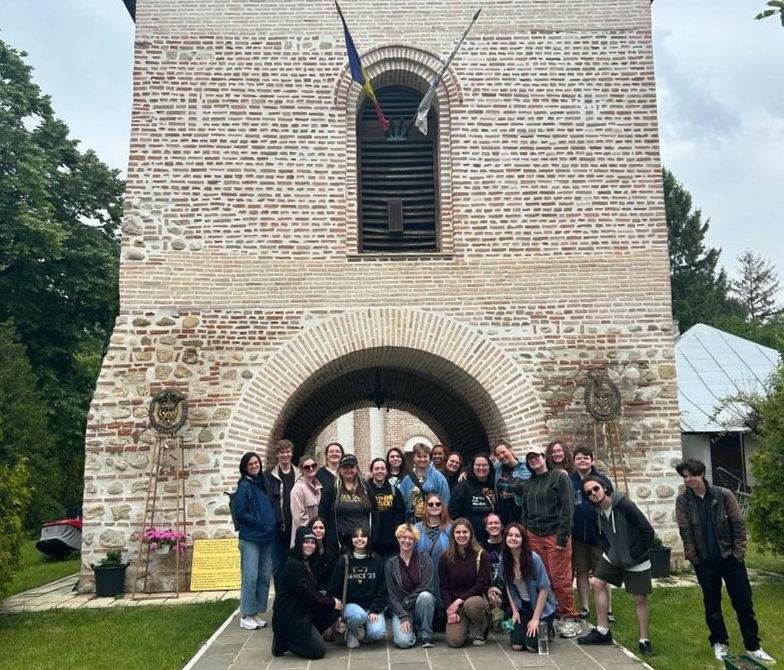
733,572
519,635
312,647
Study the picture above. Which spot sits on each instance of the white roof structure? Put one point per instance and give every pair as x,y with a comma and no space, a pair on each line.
713,365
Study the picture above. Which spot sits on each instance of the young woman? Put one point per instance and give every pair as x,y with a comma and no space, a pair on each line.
475,497
326,474
409,577
396,466
453,470
391,510
560,456
347,503
322,561
256,510
423,479
305,495
438,455
302,613
528,589
434,536
359,574
464,578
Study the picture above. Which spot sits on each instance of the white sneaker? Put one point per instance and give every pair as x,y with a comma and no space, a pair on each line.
570,629
760,655
260,621
249,623
720,651
351,640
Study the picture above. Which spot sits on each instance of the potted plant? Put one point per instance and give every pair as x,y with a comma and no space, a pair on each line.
660,555
164,540
110,574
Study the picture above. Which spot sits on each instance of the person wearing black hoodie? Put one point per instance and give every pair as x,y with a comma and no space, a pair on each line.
626,536
474,498
391,509
301,612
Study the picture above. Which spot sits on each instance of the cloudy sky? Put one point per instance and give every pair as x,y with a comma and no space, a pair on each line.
719,74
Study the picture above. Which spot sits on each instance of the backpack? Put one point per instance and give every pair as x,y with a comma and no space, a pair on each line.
233,506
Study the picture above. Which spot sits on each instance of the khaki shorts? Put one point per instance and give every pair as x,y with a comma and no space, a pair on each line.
636,583
585,557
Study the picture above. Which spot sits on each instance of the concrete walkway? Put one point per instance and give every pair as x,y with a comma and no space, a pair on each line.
232,648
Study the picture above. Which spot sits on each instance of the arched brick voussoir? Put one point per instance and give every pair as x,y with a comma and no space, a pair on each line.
509,407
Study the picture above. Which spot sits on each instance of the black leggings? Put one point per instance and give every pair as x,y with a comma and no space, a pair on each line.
519,635
315,647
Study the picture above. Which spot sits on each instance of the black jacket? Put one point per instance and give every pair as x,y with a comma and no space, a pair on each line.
474,500
296,598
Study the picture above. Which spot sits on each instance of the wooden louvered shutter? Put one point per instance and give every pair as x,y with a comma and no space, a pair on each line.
398,204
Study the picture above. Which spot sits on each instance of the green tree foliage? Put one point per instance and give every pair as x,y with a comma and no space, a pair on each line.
25,431
777,8
60,211
766,513
699,291
14,497
757,287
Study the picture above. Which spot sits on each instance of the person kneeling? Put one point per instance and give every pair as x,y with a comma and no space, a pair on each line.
409,577
299,604
528,588
359,575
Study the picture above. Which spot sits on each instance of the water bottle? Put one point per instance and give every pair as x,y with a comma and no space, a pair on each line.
544,639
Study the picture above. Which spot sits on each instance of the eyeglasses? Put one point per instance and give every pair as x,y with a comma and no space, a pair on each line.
309,466
593,489
434,504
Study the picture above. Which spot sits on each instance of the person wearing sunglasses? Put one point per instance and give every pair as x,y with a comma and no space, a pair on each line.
625,535
433,540
305,495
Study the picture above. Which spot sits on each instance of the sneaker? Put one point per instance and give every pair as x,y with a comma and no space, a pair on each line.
570,628
480,638
645,648
260,621
611,618
249,623
426,643
583,614
720,651
595,637
351,640
760,655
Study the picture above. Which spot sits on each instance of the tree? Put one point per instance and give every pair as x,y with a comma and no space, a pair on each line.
766,513
778,8
757,287
59,249
699,292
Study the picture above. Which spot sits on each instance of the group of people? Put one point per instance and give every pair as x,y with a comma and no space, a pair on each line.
441,546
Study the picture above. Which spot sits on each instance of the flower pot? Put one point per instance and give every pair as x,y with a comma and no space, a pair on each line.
742,662
163,549
109,580
660,561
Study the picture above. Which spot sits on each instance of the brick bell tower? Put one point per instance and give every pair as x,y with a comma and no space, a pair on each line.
284,258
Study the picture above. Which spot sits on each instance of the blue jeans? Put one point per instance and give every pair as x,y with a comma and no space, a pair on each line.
422,619
255,566
355,617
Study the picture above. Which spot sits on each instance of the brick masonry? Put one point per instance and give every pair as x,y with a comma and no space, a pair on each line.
241,285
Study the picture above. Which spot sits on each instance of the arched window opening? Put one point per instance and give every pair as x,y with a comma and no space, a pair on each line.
398,188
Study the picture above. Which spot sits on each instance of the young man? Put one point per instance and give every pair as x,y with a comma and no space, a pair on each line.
284,475
625,536
714,541
586,551
548,504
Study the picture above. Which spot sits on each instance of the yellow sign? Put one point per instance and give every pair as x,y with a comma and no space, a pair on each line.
215,565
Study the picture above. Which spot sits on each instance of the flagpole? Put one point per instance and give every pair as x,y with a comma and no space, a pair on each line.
427,99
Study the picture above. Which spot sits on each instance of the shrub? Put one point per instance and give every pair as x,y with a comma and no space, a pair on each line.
14,498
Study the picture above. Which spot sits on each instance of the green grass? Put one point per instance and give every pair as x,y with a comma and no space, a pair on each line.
120,638
678,631
37,569
759,560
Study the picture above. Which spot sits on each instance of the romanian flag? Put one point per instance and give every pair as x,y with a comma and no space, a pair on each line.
358,72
